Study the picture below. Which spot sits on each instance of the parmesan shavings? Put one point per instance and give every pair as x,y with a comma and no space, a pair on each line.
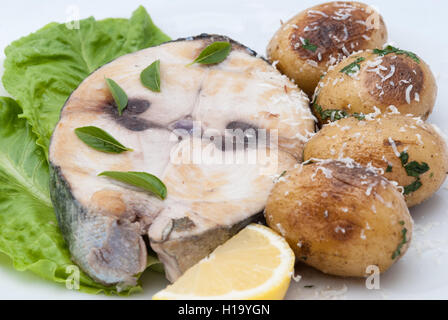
408,93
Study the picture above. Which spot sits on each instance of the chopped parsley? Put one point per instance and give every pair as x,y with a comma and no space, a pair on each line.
391,49
414,186
404,157
415,169
280,176
397,252
306,44
358,116
332,114
335,114
307,162
353,67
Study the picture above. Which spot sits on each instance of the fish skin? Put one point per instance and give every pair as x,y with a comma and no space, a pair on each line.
111,248
92,239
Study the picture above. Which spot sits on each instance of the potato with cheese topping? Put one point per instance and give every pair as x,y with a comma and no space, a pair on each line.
305,46
340,218
406,149
377,80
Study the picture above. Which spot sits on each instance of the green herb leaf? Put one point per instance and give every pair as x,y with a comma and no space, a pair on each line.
335,114
140,180
415,169
306,44
397,252
150,77
391,49
353,67
404,157
332,114
100,140
359,116
389,168
417,184
309,286
120,97
213,53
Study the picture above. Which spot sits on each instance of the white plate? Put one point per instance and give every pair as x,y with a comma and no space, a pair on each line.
414,25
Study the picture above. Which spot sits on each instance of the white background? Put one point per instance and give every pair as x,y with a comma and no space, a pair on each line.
415,25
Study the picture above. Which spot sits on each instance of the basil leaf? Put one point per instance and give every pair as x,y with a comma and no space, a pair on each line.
140,180
415,169
100,140
150,77
213,53
120,97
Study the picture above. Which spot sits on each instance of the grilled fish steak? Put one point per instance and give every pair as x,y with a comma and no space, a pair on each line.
105,223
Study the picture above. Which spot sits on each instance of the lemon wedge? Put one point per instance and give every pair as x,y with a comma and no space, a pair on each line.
255,264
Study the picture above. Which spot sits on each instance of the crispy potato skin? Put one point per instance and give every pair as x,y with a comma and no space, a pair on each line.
368,142
335,28
373,87
340,224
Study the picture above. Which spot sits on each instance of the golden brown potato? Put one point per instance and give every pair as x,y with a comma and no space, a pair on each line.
340,218
409,151
320,36
370,79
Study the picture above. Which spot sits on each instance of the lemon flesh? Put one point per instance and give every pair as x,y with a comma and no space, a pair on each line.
255,264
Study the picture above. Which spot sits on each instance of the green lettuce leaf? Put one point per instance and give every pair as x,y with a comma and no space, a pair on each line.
29,233
41,71
43,68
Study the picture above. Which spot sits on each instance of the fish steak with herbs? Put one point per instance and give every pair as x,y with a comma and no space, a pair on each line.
108,225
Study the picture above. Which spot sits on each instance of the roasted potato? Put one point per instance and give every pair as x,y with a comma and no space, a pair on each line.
406,149
340,217
376,80
323,35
